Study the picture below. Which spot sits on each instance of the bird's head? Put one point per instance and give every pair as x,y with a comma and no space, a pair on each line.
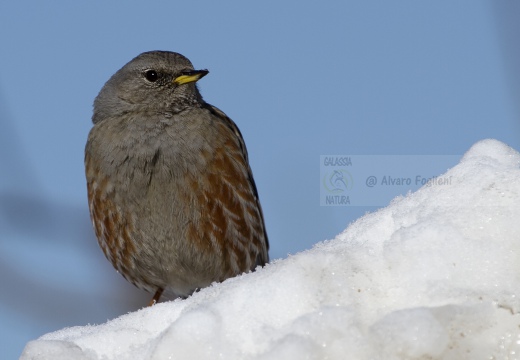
155,81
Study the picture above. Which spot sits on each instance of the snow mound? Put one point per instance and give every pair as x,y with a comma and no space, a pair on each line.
434,275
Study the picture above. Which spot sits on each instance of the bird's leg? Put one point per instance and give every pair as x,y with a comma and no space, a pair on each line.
156,297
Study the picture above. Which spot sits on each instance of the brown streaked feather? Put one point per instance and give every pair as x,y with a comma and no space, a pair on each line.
243,159
113,229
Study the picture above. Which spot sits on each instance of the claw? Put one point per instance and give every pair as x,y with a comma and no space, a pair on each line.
156,297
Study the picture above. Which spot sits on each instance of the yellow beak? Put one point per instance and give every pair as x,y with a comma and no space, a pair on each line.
190,76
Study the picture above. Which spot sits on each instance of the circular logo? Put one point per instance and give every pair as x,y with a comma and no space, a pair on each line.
338,181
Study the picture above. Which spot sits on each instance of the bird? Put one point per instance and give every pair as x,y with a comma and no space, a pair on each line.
171,194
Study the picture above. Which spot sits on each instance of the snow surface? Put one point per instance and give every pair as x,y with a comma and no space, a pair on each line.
434,275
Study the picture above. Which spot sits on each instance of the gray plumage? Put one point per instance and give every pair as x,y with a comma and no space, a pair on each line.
171,194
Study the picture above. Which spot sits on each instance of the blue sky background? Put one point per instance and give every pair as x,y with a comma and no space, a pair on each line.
300,79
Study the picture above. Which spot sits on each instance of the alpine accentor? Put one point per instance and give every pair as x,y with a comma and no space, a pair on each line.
171,195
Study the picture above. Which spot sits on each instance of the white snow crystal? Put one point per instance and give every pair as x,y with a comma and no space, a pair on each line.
434,275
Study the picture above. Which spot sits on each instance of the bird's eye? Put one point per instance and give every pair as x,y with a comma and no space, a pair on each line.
151,75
